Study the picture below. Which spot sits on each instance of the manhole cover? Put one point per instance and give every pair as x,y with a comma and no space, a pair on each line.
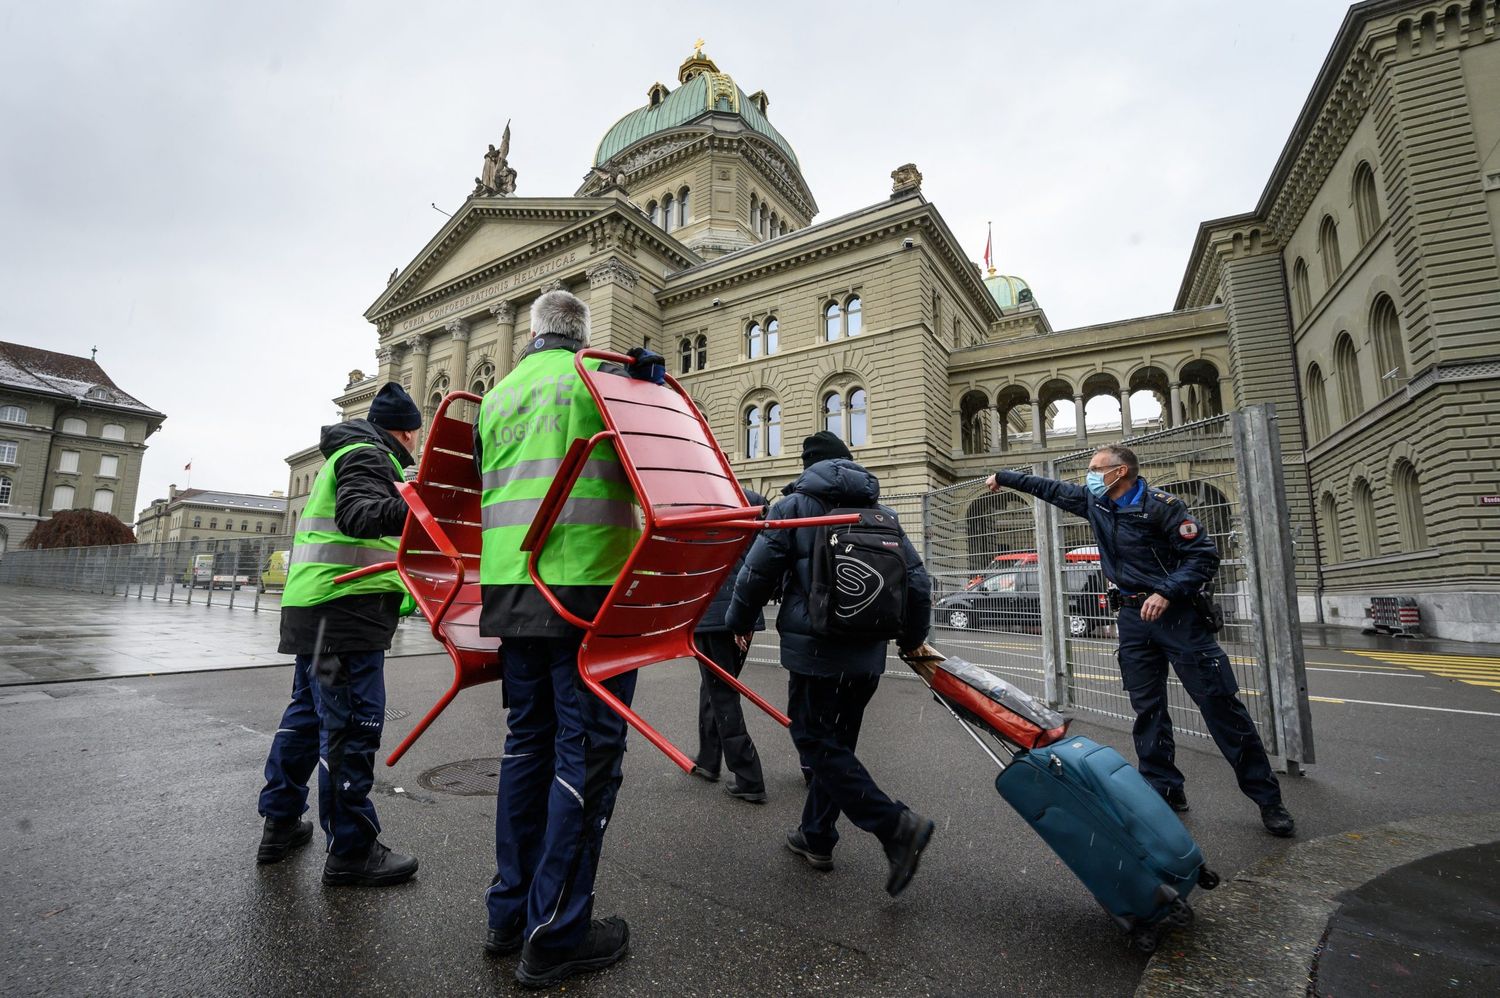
469,778
395,713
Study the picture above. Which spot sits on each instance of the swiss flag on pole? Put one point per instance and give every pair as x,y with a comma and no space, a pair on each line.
989,248
188,466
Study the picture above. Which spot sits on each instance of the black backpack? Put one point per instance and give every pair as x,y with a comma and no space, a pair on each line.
859,577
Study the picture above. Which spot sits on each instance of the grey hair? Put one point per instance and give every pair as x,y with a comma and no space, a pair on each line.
561,314
1124,455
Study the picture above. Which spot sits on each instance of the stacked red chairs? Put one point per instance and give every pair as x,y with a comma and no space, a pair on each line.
694,525
438,557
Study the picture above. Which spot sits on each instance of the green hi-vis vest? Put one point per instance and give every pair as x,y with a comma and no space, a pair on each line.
526,423
320,553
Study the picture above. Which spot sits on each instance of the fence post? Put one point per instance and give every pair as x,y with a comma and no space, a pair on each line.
1277,634
1049,578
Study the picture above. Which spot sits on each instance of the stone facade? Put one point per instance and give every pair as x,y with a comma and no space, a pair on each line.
878,325
69,438
206,515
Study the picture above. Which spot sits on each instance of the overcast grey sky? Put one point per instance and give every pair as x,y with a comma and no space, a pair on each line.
212,194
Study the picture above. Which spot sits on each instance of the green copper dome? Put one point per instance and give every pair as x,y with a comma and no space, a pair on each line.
704,91
1006,290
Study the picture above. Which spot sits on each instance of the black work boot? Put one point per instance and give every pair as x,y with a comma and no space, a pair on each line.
905,849
280,837
379,867
1278,820
607,941
746,793
1177,798
502,942
797,843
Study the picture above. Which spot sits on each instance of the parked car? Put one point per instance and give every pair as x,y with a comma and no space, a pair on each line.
1011,600
273,574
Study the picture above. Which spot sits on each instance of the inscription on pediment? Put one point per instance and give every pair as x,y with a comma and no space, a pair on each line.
493,289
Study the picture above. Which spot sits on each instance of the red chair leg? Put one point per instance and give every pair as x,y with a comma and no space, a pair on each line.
742,689
638,723
431,716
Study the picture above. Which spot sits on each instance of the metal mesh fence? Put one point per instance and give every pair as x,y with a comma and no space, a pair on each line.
247,572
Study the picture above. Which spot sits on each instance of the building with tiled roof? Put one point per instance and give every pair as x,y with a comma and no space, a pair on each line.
69,438
210,515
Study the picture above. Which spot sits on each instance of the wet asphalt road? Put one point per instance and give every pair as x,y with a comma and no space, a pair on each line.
130,829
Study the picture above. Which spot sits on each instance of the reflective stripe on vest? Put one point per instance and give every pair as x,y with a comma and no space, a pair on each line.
526,424
320,553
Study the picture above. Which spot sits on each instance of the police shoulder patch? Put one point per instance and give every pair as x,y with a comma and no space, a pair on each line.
1187,529
1164,497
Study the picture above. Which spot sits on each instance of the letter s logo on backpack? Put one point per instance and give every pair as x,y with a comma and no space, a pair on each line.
859,578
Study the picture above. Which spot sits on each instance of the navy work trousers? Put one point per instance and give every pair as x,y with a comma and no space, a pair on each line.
1180,638
333,725
826,712
721,718
558,781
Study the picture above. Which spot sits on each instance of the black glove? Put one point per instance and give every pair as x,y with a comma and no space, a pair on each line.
647,365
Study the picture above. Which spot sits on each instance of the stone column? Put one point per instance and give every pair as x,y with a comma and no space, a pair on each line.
1038,426
958,430
505,327
416,352
1125,419
458,361
616,294
1082,428
1174,406
386,358
1227,401
1000,442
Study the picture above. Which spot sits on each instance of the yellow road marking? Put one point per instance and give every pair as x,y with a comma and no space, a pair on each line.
1471,670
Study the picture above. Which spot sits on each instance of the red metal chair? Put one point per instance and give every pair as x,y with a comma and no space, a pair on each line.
439,556
695,524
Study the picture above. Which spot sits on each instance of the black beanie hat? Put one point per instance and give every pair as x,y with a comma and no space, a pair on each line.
393,409
822,446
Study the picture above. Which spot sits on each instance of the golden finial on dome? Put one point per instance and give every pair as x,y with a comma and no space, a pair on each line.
698,49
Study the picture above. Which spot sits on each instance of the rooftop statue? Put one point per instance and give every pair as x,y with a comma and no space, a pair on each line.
496,178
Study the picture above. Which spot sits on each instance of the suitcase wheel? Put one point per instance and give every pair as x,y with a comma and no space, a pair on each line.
1146,938
1207,879
1178,916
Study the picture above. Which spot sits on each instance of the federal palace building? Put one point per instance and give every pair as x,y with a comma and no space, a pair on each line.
1360,294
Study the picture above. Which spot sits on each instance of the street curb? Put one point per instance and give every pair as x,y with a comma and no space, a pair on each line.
1258,934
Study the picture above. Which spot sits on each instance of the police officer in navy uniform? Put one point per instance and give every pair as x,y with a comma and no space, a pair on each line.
1160,557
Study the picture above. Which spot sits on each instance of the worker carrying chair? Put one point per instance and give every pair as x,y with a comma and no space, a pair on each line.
694,525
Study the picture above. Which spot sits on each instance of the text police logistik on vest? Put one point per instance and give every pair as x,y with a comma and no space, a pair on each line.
505,403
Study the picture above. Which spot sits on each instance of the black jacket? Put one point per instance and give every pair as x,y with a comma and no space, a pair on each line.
1155,546
785,557
713,617
365,505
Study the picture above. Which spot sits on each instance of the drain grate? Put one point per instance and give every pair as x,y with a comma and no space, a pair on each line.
396,713
469,778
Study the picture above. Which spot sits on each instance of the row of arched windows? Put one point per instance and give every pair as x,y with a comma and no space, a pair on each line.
845,414
1367,220
765,221
843,318
1406,503
692,354
1390,364
213,524
762,340
671,212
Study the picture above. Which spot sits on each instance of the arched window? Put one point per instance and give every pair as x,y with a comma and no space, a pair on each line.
774,223
783,228
654,212
682,207
859,418
197,522
12,414
773,429
666,213
1407,488
853,316
62,497
1328,247
1317,403
754,211
75,425
685,353
1390,352
484,379
1333,547
259,526
1364,520
5,488
753,429
755,341
112,431
763,217
1366,202
701,348
213,524
833,321
8,451
1301,293
244,526
1346,362
773,335
833,414
104,500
